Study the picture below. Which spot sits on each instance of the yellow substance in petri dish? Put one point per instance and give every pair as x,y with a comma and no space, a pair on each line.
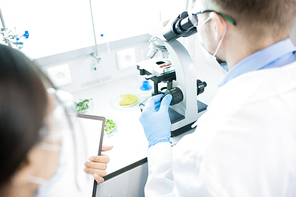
128,99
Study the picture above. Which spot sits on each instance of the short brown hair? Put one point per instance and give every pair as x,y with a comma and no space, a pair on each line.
279,15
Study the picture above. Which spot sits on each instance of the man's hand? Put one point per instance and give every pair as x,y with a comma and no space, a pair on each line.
155,119
97,165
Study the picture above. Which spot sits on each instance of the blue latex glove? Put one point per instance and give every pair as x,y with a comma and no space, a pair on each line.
155,119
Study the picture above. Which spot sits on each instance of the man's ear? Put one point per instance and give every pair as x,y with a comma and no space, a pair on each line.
217,25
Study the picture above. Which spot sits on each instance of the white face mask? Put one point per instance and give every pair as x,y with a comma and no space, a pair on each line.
212,58
57,129
46,185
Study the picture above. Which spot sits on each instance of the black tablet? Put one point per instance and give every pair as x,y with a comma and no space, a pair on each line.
94,126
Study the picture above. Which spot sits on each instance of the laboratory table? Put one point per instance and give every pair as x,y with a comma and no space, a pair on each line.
127,170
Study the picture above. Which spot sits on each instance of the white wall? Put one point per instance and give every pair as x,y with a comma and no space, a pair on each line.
57,26
61,32
80,62
54,26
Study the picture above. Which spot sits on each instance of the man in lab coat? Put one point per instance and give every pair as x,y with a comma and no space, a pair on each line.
245,144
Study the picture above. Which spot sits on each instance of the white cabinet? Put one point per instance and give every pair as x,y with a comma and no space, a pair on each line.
126,184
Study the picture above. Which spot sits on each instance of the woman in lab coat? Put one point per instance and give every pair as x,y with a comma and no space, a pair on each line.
32,120
245,144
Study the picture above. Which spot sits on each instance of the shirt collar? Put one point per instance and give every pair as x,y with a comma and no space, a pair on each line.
260,59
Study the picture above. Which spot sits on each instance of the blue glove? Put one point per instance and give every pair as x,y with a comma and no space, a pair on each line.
155,119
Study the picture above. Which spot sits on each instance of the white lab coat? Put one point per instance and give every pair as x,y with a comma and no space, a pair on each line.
243,146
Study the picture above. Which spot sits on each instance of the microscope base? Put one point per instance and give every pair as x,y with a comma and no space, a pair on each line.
181,130
176,117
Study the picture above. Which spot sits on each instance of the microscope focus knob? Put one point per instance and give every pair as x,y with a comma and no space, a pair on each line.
176,94
200,86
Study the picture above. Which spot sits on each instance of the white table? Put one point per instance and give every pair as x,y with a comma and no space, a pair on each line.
128,155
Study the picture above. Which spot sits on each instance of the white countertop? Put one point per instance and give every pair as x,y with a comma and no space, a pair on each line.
129,141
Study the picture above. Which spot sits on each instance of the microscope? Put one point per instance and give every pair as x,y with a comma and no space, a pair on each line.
175,69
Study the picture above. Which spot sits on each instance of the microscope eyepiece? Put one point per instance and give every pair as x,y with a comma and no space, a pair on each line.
183,26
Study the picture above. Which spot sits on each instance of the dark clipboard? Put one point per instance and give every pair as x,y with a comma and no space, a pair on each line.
100,118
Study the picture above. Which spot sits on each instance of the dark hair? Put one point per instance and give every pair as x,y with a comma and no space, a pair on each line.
23,106
278,15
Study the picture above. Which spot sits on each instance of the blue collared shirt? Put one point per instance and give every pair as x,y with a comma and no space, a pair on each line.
276,55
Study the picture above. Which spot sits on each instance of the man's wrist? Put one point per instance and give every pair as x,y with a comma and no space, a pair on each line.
158,140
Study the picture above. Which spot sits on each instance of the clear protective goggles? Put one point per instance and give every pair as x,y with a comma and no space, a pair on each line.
59,121
186,24
61,125
230,19
194,10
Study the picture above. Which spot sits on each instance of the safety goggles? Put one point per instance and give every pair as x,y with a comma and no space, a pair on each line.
61,125
230,19
59,121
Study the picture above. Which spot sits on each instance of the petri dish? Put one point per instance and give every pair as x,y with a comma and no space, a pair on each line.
88,102
110,126
125,100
